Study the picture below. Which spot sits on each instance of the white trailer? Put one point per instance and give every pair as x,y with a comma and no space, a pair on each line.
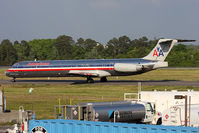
164,100
175,116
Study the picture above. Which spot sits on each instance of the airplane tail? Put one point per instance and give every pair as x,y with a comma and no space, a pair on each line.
162,49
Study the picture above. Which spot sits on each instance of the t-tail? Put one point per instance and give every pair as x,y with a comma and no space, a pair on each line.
162,49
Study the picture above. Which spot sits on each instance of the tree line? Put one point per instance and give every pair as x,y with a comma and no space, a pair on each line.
65,48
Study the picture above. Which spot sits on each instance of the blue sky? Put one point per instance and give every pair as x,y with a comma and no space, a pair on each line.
100,20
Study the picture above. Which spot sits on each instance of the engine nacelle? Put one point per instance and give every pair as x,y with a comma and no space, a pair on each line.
127,67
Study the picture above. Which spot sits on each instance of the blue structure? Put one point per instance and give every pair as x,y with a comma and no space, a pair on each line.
73,126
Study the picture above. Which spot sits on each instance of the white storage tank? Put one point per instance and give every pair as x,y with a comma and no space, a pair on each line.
165,99
175,116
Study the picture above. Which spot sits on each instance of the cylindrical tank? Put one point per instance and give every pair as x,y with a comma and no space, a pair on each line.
107,103
123,112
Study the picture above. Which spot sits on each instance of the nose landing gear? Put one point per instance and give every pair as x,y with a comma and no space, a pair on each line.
13,79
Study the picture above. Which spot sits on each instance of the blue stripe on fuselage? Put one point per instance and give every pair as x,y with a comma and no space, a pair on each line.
78,63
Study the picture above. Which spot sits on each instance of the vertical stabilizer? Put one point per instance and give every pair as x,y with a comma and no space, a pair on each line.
161,50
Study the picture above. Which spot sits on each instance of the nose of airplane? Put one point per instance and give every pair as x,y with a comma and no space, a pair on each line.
7,73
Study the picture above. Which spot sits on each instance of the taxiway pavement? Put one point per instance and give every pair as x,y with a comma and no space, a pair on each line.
110,82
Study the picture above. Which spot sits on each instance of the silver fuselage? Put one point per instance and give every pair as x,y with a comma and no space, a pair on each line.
85,68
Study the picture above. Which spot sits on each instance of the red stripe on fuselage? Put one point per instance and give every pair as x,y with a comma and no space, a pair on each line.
64,69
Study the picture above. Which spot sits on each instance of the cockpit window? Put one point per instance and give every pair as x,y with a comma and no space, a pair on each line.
15,65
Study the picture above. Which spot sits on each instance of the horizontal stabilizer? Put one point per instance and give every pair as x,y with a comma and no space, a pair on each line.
182,40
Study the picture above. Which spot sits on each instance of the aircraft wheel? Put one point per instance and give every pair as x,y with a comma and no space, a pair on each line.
90,80
103,79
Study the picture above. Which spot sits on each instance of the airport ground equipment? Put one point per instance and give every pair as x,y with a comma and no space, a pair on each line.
174,116
119,111
2,101
74,126
24,117
165,99
23,121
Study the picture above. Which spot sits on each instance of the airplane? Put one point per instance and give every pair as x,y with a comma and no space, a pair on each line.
91,68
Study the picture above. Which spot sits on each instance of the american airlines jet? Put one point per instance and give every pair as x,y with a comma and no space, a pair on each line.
101,68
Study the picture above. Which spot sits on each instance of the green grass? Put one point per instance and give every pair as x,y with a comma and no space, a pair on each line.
44,97
7,123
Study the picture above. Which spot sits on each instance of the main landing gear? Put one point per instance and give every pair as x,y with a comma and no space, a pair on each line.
103,79
89,80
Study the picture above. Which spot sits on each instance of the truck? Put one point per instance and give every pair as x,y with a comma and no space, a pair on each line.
117,111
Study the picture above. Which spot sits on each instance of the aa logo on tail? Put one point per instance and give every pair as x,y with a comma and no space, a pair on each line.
158,52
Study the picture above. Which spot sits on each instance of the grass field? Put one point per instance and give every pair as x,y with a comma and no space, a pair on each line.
45,96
